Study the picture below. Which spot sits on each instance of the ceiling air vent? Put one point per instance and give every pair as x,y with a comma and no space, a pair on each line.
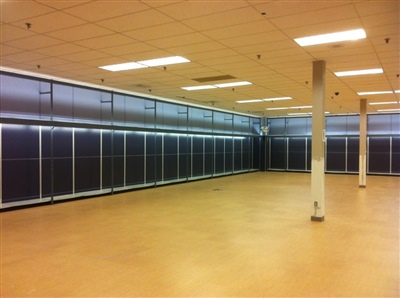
216,78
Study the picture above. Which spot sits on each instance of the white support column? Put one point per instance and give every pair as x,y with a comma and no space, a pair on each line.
318,143
362,176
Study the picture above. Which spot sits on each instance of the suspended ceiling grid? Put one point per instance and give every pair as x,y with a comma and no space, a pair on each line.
249,40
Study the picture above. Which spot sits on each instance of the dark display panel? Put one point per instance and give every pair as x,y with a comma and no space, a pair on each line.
20,150
309,156
198,156
278,153
396,155
134,158
208,155
297,154
87,159
219,155
228,155
379,155
336,154
184,156
237,153
170,157
353,154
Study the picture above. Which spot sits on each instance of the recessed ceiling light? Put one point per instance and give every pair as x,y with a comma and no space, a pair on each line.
331,37
249,100
233,84
272,109
358,72
374,92
301,107
383,103
145,63
123,66
192,88
297,114
276,98
389,110
164,61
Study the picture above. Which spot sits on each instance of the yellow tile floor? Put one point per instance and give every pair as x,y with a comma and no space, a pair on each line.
246,235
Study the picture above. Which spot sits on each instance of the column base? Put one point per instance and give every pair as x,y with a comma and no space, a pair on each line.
362,186
319,219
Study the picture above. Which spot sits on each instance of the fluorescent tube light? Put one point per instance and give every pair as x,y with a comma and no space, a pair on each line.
389,110
249,100
164,61
192,88
301,107
276,98
298,114
358,72
383,103
331,37
396,91
233,84
123,66
374,92
272,109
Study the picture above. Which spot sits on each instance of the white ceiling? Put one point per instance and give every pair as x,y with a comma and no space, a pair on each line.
71,39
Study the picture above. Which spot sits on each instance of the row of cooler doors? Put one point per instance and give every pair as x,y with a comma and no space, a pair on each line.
341,154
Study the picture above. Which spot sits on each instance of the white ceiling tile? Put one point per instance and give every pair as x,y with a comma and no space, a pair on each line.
10,32
128,49
34,42
179,40
60,50
81,32
134,21
153,32
23,11
107,41
224,19
101,10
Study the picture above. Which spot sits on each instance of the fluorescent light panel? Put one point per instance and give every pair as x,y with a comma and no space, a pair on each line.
277,98
383,103
374,92
331,37
396,91
272,109
249,100
191,88
358,72
389,110
123,66
301,107
164,61
204,87
233,84
145,63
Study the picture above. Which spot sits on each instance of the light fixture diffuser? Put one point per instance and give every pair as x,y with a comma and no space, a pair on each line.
233,84
331,37
273,109
358,72
249,100
389,110
164,61
374,92
383,103
204,87
123,66
277,98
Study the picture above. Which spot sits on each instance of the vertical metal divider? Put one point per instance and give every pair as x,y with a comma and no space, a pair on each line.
191,156
269,152
241,154
112,142
73,160
145,158
287,154
40,163
1,165
155,145
162,156
51,145
367,154
177,156
101,159
204,155
224,138
187,143
125,132
390,155
346,152
213,156
213,145
305,153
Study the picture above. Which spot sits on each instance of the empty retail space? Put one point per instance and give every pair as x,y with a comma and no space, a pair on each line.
199,149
